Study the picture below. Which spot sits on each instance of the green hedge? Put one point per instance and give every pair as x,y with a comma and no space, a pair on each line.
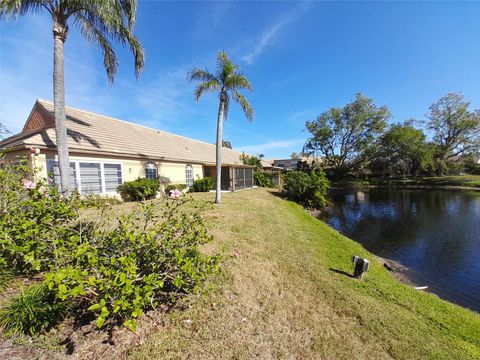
263,179
203,185
307,189
139,190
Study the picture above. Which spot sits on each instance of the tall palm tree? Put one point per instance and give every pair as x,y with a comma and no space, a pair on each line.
100,21
227,80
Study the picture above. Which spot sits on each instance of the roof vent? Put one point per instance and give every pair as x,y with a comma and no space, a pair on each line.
187,148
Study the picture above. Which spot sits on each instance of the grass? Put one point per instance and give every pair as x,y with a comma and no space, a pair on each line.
286,294
466,181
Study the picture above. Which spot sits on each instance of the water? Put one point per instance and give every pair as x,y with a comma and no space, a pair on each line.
435,233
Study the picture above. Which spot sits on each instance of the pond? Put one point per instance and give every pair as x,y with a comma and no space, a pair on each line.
435,233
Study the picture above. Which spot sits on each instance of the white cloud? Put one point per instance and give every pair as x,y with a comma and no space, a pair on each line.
268,36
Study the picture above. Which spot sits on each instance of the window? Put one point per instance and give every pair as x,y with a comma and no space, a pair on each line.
189,175
113,176
151,171
89,177
54,174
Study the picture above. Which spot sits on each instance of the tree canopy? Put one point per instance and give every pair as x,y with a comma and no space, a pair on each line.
342,135
456,129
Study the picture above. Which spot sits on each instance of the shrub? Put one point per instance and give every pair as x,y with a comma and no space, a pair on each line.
139,190
144,260
98,201
203,185
262,179
308,189
34,310
33,217
170,187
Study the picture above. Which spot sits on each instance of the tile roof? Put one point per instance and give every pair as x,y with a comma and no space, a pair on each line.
98,134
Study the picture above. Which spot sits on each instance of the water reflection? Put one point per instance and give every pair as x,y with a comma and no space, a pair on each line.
435,233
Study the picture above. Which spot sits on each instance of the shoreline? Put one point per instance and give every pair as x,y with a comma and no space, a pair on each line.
401,186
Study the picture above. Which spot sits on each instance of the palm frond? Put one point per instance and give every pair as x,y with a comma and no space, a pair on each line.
19,8
91,33
204,87
243,102
226,104
225,67
197,74
113,19
238,81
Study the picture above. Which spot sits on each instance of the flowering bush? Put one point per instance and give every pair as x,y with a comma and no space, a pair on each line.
113,266
175,194
32,220
144,260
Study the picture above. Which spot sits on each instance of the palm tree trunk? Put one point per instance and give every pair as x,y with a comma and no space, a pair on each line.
221,109
59,36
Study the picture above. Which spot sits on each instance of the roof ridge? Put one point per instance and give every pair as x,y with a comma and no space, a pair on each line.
132,123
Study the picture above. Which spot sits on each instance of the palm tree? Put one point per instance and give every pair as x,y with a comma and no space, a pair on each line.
100,21
227,80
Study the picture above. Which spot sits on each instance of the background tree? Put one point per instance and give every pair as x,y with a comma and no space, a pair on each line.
456,130
342,135
226,144
403,150
100,21
3,131
227,80
252,160
296,155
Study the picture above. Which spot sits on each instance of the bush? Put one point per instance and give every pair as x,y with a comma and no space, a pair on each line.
98,201
308,189
262,179
33,217
114,267
144,260
171,187
34,310
139,190
203,185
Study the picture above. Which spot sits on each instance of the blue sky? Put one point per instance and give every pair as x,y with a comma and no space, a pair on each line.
301,57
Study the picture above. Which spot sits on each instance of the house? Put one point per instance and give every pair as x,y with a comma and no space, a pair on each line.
293,164
105,152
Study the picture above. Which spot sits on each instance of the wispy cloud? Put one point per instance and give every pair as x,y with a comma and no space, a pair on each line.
269,146
268,36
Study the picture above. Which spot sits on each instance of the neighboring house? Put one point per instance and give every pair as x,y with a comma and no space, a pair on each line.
286,164
292,164
105,152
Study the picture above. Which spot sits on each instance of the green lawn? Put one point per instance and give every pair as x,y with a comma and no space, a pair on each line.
285,295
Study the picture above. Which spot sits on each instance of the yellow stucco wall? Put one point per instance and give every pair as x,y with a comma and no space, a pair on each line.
169,172
173,173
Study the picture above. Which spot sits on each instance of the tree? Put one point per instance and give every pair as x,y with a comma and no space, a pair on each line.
3,131
403,148
226,144
252,160
227,80
456,130
296,156
100,21
342,135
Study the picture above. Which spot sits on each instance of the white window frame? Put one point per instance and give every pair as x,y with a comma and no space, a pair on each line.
187,166
102,172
